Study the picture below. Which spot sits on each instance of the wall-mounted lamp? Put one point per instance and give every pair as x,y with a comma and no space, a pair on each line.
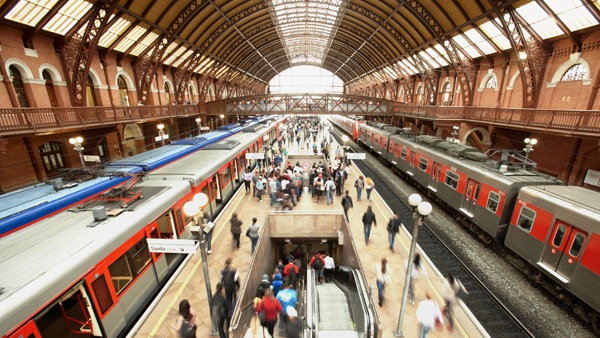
199,123
77,141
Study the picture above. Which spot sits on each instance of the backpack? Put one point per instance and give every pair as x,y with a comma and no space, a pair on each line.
317,263
229,280
187,330
292,275
259,185
356,183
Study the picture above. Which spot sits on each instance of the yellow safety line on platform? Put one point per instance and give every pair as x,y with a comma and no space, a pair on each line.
175,299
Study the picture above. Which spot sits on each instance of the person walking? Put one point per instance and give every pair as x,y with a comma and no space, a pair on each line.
368,219
236,229
294,324
271,307
277,283
317,262
384,278
359,184
253,233
328,268
393,228
219,311
185,326
414,275
369,186
428,312
450,289
288,297
230,279
329,190
247,177
347,204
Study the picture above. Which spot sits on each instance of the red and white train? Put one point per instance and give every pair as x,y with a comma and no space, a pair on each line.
87,271
553,227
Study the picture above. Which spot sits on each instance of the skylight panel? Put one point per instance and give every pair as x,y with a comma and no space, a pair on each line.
145,43
539,20
30,12
390,72
183,57
428,59
408,66
178,51
441,56
132,37
479,41
67,16
572,13
496,35
466,46
114,32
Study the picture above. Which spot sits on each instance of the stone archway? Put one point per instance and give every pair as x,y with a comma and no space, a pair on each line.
134,139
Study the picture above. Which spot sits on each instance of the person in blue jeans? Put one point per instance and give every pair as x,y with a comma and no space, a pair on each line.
393,228
428,312
253,233
368,219
359,184
383,278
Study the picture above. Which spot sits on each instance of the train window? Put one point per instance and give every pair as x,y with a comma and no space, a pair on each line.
493,201
102,294
559,236
577,245
226,175
120,273
477,190
403,154
451,179
526,218
423,162
140,256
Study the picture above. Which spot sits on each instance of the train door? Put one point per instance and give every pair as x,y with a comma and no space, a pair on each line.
166,226
564,249
411,163
470,197
434,179
215,193
28,330
71,315
236,168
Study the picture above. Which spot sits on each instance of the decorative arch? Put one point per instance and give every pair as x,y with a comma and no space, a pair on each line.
484,132
170,86
484,80
132,134
128,81
95,78
54,73
573,60
513,79
22,67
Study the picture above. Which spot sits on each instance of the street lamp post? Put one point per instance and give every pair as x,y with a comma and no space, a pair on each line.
161,133
529,143
420,211
193,209
77,141
199,123
222,117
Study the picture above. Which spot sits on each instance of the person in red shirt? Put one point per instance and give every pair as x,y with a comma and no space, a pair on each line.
271,308
293,276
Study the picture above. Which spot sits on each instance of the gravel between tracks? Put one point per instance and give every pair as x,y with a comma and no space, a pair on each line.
543,316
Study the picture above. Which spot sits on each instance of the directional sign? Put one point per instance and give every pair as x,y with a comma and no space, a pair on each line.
306,165
180,246
356,156
255,156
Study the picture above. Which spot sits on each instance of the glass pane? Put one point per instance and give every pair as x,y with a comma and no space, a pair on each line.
100,288
560,235
120,274
573,13
493,201
577,244
67,16
539,20
140,256
495,35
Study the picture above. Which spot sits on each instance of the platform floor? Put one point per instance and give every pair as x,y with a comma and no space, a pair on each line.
190,283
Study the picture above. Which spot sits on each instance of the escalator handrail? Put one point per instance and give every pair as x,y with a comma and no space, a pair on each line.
366,301
311,303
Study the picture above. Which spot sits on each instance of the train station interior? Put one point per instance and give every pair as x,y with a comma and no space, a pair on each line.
110,107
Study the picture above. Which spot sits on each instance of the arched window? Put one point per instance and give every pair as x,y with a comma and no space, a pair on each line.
51,154
420,95
123,92
446,91
576,72
492,82
17,81
50,88
90,93
167,94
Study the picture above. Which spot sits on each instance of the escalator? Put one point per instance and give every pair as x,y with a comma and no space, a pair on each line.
340,308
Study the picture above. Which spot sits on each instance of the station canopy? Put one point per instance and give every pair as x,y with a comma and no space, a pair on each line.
357,41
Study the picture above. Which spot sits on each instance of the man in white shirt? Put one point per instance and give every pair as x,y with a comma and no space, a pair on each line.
328,267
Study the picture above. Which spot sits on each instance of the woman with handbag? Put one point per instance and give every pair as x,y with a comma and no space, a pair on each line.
185,325
428,316
270,306
369,186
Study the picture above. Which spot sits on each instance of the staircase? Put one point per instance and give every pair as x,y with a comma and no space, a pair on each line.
335,319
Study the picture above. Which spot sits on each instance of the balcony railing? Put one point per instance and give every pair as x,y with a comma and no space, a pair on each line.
37,120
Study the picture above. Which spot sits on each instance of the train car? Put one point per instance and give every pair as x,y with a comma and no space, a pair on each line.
557,230
349,125
376,136
87,271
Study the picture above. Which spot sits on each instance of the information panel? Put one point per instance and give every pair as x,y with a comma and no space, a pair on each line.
180,246
255,156
356,156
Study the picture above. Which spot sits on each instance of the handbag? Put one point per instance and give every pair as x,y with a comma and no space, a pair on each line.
248,232
208,227
438,325
261,316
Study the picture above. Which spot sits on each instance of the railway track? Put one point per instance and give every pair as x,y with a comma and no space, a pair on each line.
497,319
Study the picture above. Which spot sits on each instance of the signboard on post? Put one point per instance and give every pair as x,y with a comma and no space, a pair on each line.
255,156
356,156
179,246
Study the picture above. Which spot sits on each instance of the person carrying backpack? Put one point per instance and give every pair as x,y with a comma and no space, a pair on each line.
230,281
393,228
291,271
186,324
219,311
317,262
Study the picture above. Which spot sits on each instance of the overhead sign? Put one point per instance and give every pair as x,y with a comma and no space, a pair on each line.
306,165
356,156
255,156
91,158
179,246
159,138
204,128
